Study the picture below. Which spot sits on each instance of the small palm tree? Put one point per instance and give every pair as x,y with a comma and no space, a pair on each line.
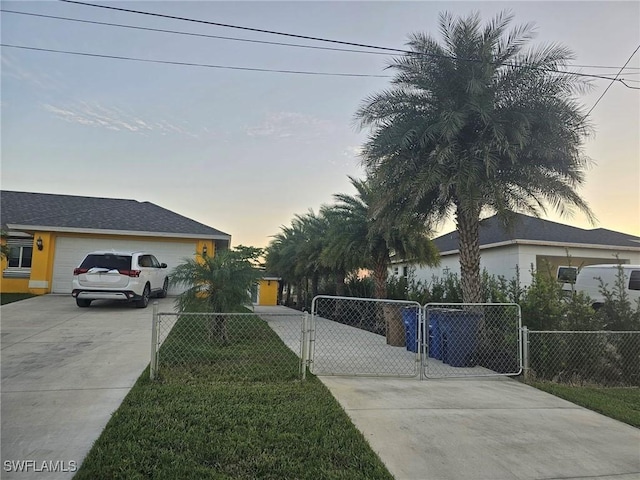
218,284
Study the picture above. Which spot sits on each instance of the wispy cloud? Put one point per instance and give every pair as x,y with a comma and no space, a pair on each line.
12,69
291,124
114,118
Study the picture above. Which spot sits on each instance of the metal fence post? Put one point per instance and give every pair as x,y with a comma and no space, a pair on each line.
525,352
305,342
154,342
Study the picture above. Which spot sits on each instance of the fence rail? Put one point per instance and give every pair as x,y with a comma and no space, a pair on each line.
605,358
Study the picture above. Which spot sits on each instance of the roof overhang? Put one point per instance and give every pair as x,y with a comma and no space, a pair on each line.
122,233
541,243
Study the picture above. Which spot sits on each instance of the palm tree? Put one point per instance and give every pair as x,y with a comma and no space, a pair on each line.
340,254
477,125
218,284
369,237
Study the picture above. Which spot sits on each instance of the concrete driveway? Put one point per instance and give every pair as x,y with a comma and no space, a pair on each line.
65,370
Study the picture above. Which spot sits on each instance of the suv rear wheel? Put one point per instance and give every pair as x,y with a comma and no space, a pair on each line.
83,302
144,300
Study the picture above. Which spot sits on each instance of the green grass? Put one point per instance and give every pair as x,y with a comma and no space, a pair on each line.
14,297
253,352
622,404
223,411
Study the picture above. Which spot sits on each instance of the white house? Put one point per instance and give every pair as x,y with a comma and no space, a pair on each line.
529,242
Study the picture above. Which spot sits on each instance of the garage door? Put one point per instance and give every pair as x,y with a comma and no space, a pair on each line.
71,251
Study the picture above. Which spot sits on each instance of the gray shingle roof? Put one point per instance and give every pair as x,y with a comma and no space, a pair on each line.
526,228
92,213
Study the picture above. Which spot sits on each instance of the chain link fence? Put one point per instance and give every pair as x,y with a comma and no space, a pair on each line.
363,336
605,358
226,346
472,340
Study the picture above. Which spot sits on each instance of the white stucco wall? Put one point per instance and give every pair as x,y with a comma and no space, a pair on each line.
502,260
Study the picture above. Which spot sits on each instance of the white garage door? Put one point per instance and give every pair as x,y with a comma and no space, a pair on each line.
71,251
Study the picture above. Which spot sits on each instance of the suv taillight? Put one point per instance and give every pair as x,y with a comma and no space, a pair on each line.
79,271
130,273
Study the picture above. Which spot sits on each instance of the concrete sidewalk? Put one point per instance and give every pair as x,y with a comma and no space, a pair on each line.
492,428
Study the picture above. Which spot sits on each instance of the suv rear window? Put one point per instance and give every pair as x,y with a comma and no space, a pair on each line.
634,280
112,262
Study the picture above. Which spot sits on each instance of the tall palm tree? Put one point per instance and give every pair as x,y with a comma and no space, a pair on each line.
340,254
370,237
477,125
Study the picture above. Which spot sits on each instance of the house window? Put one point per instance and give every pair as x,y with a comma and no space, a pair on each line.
19,258
405,272
395,271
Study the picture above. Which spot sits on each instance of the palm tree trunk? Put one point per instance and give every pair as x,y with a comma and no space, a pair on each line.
340,285
468,220
380,273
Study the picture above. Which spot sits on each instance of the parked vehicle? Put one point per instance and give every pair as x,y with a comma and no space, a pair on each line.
128,276
591,278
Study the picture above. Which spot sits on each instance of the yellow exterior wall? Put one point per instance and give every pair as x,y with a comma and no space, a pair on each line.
42,261
268,292
42,264
38,271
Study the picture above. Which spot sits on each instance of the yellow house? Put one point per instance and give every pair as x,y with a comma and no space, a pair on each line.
48,235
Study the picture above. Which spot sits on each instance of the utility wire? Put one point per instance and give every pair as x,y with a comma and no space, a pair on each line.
202,35
177,32
254,69
318,39
250,29
612,81
189,64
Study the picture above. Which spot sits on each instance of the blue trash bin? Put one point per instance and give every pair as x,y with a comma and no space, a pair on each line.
410,319
458,337
435,345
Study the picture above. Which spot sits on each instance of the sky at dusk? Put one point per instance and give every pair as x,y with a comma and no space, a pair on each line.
243,151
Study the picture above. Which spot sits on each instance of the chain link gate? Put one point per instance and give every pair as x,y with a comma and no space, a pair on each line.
472,340
363,336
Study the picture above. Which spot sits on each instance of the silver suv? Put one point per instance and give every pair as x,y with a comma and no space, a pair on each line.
110,275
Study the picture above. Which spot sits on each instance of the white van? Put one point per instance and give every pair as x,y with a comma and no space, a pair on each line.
592,277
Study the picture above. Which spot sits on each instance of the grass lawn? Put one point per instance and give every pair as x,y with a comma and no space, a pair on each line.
13,297
250,419
620,403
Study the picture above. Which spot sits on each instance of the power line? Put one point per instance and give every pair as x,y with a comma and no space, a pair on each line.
297,45
190,64
177,32
250,29
612,81
249,69
319,39
408,52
